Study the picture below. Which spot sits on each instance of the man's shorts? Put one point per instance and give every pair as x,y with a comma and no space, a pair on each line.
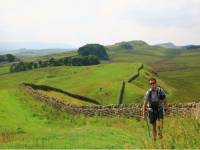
155,114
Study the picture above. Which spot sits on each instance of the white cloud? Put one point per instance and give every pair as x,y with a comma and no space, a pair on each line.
78,22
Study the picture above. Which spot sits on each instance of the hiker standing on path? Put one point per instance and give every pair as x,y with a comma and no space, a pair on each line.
155,99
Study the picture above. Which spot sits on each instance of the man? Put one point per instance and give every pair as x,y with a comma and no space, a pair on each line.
155,99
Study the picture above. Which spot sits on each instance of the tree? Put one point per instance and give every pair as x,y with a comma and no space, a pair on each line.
30,66
10,58
93,60
77,61
93,49
52,62
12,68
18,67
7,58
40,63
35,65
2,58
67,60
59,62
85,60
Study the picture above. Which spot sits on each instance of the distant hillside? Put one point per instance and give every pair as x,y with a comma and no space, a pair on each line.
4,46
130,44
191,46
34,52
173,46
127,45
168,45
136,47
134,43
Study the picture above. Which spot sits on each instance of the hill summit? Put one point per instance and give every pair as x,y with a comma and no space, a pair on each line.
168,45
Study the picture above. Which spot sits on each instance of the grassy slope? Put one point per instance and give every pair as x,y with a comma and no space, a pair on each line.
162,60
140,86
65,98
28,123
177,68
85,81
181,71
4,69
185,82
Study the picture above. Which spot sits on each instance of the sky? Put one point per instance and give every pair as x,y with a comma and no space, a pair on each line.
78,22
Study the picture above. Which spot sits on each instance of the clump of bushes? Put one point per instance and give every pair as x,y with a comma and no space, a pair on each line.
89,54
68,61
7,58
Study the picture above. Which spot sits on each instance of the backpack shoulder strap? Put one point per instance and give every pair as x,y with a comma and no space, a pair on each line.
160,93
149,95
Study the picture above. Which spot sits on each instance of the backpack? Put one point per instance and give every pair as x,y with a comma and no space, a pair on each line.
161,96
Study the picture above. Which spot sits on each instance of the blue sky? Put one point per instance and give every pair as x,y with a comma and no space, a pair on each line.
77,22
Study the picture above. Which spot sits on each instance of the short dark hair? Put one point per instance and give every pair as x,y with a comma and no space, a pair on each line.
152,79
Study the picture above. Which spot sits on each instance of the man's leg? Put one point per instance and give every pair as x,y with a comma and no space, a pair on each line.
161,123
160,119
152,119
154,131
160,128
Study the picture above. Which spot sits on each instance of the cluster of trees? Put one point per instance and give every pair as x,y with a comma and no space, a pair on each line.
7,58
89,54
68,61
94,49
85,60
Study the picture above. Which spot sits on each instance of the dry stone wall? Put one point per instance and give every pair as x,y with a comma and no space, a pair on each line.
137,75
48,88
126,110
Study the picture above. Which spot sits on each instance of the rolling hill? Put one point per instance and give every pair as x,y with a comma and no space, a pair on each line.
26,122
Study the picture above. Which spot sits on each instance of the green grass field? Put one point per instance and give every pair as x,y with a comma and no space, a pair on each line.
65,98
26,122
185,82
4,69
177,69
101,82
181,72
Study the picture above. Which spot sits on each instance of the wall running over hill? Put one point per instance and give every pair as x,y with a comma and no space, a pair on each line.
122,89
48,88
127,110
137,75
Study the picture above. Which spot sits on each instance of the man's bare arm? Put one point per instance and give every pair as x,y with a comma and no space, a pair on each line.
144,108
166,106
